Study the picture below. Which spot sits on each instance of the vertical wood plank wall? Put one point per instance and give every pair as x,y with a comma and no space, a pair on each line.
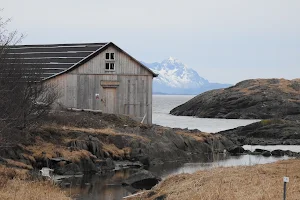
133,95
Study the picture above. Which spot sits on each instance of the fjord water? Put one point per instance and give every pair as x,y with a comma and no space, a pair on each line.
108,186
162,104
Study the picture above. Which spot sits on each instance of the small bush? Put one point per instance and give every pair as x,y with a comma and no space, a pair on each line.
266,122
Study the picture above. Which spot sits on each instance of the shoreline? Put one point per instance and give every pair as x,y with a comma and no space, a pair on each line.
262,181
77,142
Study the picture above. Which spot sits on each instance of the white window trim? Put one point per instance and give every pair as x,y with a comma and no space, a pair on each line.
110,70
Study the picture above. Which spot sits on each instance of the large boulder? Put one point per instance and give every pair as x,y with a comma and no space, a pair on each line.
259,150
236,150
105,165
277,153
266,153
143,179
68,169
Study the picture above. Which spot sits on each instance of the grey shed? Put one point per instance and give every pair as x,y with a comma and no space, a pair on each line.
92,76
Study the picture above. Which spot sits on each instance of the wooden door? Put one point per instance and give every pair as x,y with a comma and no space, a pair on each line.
109,100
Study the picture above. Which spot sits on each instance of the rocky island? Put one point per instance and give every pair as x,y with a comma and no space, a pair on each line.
266,132
249,99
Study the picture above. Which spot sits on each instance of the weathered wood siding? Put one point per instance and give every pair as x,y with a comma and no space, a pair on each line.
127,90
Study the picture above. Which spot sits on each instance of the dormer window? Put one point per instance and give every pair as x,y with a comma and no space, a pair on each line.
110,62
110,56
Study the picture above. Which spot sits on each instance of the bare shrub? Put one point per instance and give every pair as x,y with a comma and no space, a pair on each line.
24,96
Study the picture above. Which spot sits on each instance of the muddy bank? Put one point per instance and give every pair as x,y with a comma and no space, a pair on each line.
83,142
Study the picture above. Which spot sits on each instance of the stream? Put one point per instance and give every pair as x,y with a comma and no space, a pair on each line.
109,186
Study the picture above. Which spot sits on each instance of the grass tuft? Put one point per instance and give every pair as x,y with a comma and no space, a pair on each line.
15,185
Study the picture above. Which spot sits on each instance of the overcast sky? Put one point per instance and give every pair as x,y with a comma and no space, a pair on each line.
226,41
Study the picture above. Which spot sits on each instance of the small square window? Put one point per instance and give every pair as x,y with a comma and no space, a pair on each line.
112,66
107,56
107,66
112,56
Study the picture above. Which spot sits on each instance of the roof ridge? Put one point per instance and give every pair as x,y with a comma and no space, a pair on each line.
61,44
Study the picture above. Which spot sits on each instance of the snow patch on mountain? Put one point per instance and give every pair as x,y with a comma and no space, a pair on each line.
177,78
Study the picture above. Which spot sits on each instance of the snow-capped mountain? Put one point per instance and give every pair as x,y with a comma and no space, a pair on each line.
176,78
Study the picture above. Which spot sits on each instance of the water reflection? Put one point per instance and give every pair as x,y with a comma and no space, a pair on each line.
241,160
99,187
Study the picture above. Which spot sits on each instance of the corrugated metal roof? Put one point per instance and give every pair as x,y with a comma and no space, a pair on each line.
54,59
50,59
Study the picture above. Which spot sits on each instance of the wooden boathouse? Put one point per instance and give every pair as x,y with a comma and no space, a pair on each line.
93,76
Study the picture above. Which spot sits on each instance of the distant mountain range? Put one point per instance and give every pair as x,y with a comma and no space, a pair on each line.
176,78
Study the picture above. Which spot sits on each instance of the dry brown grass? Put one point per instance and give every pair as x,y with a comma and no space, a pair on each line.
260,182
13,163
10,173
76,156
104,131
161,130
113,150
200,136
283,85
43,149
51,151
17,189
15,186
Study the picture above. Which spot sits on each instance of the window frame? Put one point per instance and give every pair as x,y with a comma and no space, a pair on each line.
110,56
106,56
107,64
110,65
110,62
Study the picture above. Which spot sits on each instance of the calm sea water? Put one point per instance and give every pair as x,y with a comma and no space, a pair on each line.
162,104
108,186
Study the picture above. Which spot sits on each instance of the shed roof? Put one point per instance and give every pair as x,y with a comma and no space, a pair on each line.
54,59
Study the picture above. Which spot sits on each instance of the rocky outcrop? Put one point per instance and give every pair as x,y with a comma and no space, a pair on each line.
69,149
142,179
155,145
266,132
250,99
